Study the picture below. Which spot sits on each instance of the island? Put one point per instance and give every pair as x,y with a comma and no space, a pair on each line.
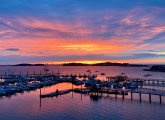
105,64
156,68
27,64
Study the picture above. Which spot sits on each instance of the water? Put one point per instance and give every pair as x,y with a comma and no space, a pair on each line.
73,106
136,72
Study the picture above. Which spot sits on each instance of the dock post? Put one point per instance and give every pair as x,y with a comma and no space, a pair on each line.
40,98
131,96
140,95
116,96
123,95
40,91
150,98
160,99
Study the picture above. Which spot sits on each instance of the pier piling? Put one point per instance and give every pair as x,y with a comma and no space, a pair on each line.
160,97
150,98
116,96
123,96
140,96
131,96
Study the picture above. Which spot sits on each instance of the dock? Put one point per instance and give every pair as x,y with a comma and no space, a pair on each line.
15,83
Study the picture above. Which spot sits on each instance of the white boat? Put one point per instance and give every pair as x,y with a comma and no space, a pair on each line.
2,91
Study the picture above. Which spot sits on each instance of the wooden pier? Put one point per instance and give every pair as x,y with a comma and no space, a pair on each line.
149,92
160,83
145,82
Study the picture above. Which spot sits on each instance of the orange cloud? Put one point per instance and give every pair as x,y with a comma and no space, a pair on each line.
44,46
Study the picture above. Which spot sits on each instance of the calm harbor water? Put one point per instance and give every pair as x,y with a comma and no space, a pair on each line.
73,106
136,72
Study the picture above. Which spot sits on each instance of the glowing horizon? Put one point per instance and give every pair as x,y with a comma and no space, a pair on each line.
89,32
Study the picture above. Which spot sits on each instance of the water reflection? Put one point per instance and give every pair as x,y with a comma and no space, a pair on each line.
76,106
95,98
29,106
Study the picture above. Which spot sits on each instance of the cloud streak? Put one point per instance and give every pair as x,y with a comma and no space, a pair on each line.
110,28
87,57
12,49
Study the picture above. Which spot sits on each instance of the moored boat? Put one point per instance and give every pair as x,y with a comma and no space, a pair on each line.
55,93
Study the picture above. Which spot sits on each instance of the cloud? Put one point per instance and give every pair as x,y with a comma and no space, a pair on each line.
108,30
12,49
89,57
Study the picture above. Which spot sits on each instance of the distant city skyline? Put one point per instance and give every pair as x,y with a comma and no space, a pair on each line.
87,31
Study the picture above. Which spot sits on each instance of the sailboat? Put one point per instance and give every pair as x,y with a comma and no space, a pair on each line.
46,69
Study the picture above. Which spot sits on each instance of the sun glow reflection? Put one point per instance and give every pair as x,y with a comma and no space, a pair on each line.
84,62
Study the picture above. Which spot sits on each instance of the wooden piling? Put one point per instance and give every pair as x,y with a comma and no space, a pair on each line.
131,96
40,99
140,96
160,97
116,96
123,95
150,98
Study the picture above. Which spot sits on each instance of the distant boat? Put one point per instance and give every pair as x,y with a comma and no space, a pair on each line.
89,71
147,75
46,69
122,73
102,74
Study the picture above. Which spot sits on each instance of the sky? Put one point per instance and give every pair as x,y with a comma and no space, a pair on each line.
87,31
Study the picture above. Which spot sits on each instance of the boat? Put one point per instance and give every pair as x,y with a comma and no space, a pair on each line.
147,75
55,93
82,91
46,69
84,76
89,71
122,73
102,74
77,82
2,92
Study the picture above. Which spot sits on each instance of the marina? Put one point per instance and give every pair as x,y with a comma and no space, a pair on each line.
78,90
119,85
82,60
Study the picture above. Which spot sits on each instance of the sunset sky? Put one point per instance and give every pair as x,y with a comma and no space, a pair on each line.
55,31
